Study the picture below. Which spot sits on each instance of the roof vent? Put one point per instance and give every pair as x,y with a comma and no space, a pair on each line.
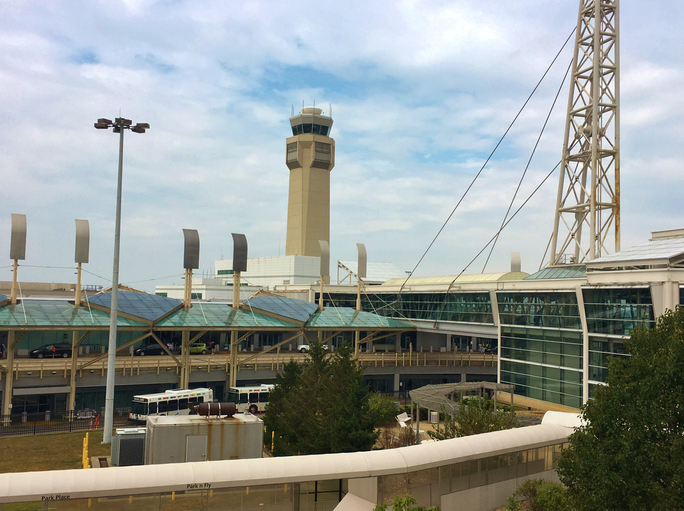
515,262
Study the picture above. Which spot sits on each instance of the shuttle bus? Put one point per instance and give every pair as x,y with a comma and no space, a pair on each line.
250,399
171,402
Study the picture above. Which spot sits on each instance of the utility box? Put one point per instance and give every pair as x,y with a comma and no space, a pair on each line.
128,447
181,438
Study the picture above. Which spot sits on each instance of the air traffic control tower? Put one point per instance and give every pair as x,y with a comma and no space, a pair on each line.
310,158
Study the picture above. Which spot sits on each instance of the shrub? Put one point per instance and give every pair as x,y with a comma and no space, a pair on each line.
541,496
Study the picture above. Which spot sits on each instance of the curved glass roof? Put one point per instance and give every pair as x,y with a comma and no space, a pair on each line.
481,277
141,305
58,313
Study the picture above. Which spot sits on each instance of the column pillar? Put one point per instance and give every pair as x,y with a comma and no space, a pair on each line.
72,380
185,360
233,357
7,394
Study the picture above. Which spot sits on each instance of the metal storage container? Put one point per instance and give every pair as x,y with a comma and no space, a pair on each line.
181,438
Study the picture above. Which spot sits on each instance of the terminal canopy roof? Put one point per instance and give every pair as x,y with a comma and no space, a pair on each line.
142,311
58,315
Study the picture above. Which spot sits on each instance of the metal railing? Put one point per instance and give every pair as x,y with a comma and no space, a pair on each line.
132,366
24,424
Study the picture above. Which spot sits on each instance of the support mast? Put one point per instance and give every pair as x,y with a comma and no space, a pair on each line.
589,184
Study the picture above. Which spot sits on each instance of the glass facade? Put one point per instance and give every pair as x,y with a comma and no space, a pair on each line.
617,311
541,346
601,348
543,309
612,314
558,348
461,307
551,384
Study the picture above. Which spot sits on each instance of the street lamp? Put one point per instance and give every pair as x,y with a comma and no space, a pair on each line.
120,125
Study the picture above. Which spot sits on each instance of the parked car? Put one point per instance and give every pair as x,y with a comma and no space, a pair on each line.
304,348
199,347
150,349
52,351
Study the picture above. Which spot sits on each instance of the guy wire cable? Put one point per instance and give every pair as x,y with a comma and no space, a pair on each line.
507,222
487,160
529,161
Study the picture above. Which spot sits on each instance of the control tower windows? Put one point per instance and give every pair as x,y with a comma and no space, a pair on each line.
316,129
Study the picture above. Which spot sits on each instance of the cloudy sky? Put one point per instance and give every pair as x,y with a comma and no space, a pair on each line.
420,93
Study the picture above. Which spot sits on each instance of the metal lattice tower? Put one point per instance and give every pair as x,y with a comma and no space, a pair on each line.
589,184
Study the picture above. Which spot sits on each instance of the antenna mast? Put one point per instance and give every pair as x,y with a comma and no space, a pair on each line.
589,183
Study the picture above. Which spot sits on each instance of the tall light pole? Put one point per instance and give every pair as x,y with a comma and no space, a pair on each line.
120,125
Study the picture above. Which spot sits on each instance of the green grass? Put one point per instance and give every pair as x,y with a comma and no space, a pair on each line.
48,452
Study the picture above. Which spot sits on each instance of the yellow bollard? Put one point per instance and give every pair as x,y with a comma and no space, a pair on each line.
86,456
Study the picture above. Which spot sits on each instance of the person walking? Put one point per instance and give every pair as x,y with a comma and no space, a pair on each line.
2,350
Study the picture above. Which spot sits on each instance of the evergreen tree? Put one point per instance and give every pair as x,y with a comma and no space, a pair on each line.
279,418
352,425
320,406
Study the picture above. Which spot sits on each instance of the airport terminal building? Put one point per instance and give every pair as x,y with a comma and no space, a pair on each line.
554,329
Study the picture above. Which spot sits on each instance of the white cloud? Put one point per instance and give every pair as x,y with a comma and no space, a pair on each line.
421,93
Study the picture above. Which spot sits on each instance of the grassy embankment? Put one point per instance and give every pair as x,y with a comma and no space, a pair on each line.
48,452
